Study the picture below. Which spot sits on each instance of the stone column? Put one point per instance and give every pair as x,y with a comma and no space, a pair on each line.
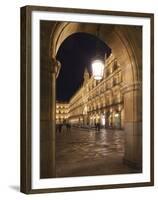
133,124
48,132
55,68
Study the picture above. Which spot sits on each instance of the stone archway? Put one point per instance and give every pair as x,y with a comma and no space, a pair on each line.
126,44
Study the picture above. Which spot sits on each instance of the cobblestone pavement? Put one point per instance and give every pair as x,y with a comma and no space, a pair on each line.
82,152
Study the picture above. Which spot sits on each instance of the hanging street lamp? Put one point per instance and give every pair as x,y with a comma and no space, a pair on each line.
97,69
98,63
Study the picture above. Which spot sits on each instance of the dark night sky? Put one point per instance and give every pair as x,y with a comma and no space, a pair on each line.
76,53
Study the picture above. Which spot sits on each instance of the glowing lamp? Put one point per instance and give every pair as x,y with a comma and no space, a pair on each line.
97,69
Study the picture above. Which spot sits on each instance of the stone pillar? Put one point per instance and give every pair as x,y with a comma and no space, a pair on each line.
48,131
133,124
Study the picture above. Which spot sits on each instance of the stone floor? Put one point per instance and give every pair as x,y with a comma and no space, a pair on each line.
81,152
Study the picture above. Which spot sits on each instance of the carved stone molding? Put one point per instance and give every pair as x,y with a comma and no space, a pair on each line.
55,67
131,87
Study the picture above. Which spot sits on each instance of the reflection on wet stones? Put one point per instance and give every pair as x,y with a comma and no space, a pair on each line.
86,153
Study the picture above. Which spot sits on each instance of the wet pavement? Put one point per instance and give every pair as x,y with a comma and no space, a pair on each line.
81,152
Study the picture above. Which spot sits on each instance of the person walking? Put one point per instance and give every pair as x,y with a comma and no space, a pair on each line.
60,128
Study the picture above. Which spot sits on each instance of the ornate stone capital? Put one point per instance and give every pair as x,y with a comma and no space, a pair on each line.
55,67
131,87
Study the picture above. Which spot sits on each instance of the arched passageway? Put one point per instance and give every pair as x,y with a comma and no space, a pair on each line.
126,44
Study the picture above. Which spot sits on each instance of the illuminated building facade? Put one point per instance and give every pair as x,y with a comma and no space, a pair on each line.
62,112
96,101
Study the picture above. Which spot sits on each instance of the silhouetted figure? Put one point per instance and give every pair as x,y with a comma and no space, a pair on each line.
68,126
56,127
97,125
60,128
